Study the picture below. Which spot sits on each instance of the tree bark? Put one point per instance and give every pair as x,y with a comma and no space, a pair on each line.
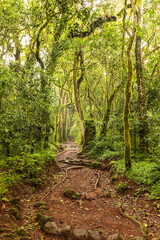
77,83
108,112
128,95
143,122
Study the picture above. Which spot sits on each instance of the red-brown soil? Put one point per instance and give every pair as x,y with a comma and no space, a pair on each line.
93,211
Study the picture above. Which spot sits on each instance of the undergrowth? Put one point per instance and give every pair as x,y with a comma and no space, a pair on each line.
145,168
27,167
101,148
143,172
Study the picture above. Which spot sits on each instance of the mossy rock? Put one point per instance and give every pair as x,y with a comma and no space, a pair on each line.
42,220
107,194
21,232
121,187
71,194
114,178
95,165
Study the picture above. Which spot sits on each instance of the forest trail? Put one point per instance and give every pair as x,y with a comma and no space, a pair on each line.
100,210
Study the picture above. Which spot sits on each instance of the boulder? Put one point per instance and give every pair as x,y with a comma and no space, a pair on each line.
115,236
66,230
94,235
51,227
80,234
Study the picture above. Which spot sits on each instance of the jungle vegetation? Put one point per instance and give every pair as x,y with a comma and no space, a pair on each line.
80,70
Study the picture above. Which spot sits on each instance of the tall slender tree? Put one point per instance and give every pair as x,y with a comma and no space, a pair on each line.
128,95
143,123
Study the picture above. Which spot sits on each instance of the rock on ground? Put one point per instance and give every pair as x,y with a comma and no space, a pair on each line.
80,234
94,235
51,227
66,230
115,236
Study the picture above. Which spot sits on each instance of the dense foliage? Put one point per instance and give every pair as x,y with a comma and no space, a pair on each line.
65,63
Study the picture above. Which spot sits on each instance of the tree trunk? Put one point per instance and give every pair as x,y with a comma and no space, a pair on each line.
143,123
128,95
77,83
64,118
58,113
108,112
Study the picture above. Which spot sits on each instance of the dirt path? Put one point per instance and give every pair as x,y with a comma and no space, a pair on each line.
100,207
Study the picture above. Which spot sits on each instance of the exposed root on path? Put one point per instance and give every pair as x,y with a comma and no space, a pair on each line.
72,151
141,225
66,176
97,181
95,211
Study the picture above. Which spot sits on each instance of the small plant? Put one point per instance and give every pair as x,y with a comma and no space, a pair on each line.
29,167
121,188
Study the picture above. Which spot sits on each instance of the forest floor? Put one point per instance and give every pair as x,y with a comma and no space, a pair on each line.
100,208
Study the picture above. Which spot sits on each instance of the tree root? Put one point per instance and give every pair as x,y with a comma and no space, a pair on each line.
81,162
66,176
97,181
73,151
142,225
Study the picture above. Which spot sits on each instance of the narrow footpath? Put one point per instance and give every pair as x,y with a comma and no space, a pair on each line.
96,210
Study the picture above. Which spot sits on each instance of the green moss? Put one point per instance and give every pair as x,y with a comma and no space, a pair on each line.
114,178
71,194
95,165
90,132
42,220
36,182
122,187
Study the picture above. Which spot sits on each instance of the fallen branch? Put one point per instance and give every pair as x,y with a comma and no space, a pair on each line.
66,176
97,181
